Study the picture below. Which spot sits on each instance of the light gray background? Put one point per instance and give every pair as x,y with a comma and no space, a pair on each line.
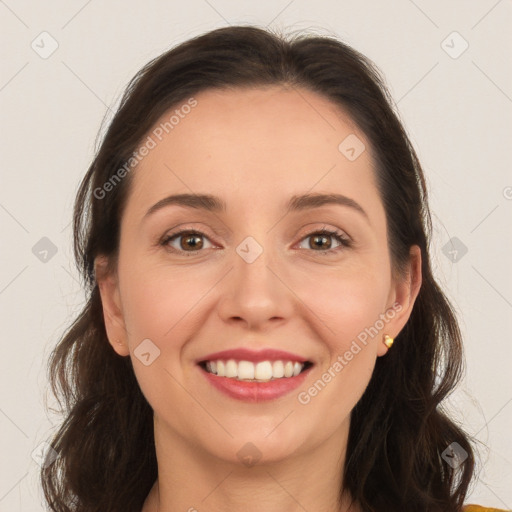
457,111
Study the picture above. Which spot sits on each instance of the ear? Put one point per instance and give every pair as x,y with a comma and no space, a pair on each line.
402,297
108,285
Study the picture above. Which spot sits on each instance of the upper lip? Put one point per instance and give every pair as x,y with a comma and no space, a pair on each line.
245,354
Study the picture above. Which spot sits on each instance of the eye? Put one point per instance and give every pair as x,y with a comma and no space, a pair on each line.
190,241
320,240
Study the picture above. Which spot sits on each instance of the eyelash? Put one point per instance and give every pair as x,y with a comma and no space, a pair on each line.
345,243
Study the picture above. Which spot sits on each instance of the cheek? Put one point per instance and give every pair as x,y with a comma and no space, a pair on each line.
344,301
165,304
158,301
348,307
160,304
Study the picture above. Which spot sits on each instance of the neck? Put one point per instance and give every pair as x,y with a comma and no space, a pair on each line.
191,480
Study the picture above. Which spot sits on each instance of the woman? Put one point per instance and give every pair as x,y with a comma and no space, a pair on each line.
254,235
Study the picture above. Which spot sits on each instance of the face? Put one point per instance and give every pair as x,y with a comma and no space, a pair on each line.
257,274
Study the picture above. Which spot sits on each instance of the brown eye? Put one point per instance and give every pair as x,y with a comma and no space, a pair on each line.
186,241
192,241
321,241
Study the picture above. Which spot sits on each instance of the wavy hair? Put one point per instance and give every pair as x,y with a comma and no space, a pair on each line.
398,430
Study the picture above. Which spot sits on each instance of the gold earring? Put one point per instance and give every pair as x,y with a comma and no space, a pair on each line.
388,341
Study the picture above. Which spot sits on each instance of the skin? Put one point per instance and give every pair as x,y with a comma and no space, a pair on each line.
254,148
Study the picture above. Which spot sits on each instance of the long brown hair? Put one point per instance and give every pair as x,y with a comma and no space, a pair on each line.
398,431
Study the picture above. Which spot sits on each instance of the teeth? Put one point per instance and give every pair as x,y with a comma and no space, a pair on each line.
263,371
278,369
247,370
221,369
231,369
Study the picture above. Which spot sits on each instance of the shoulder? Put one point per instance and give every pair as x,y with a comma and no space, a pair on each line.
478,508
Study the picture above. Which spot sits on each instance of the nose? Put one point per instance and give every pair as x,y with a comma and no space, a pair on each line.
255,293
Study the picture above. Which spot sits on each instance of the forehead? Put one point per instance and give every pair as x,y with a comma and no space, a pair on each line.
254,146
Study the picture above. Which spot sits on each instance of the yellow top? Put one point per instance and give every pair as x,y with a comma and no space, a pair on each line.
478,508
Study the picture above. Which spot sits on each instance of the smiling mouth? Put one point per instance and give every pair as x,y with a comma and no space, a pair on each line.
263,371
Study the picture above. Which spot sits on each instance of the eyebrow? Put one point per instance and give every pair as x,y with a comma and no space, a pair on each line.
211,203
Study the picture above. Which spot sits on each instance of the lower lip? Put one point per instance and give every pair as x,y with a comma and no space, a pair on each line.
256,391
